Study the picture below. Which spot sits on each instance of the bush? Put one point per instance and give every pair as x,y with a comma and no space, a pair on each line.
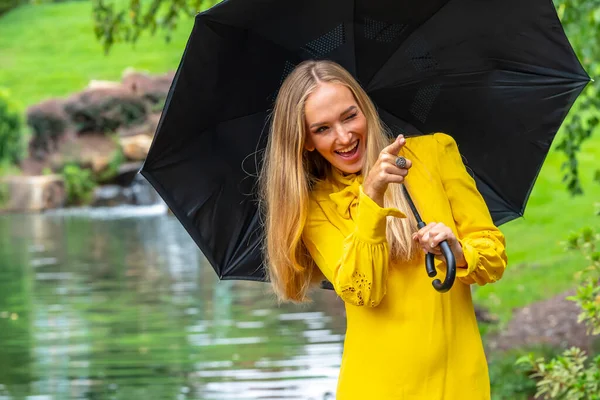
79,184
48,122
572,376
11,139
508,382
105,110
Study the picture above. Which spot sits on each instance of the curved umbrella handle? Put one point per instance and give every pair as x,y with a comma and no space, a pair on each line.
430,265
450,268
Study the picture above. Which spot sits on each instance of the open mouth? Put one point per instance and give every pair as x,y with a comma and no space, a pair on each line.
348,151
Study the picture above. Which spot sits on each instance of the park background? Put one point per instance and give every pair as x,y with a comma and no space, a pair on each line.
104,295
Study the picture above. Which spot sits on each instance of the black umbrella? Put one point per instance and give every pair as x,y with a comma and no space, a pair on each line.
499,76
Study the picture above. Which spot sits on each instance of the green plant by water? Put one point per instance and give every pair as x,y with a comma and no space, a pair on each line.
574,375
79,184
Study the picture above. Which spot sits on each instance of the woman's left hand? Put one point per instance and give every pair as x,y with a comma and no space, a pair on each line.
430,236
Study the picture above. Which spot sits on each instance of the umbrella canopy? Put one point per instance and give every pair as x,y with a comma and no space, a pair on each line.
499,76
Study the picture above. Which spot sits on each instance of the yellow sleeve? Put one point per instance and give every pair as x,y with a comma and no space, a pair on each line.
357,264
482,242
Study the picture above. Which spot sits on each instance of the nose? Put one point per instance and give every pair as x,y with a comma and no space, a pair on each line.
344,135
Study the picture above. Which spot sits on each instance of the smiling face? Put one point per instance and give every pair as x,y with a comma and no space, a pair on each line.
336,127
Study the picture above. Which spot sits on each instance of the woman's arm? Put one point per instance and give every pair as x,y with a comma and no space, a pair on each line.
482,242
357,264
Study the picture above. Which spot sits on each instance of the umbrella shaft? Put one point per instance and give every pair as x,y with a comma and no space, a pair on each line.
420,222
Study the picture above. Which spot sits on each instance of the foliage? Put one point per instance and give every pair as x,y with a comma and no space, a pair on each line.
116,160
37,60
105,110
125,25
7,5
48,122
11,139
588,292
508,382
581,21
566,376
79,184
569,376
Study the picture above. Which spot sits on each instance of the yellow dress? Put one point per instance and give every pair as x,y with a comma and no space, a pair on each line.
404,340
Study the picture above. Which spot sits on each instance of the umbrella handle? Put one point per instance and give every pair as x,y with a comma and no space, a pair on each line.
450,268
430,265
429,258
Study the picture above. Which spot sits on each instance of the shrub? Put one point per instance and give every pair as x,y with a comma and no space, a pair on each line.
508,382
79,184
11,139
48,122
572,376
105,110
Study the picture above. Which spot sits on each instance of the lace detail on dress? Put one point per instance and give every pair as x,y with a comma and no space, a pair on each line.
354,293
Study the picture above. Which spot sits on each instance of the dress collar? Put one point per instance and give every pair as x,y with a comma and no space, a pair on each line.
348,191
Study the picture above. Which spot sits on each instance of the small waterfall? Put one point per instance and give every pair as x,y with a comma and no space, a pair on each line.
142,193
139,199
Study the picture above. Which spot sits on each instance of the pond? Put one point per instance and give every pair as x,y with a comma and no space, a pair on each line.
121,304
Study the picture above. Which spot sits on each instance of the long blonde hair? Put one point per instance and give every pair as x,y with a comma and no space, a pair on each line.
289,172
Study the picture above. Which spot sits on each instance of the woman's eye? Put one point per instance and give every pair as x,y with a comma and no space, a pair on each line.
321,129
351,116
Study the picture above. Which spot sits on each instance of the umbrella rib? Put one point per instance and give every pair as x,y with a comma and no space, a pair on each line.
566,80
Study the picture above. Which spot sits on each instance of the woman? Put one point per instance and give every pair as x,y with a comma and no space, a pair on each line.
332,194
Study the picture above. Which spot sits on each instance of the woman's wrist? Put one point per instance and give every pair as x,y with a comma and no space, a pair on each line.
376,197
459,255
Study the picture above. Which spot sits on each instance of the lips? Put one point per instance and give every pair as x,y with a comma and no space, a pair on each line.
348,151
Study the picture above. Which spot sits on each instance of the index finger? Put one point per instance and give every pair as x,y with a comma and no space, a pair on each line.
395,147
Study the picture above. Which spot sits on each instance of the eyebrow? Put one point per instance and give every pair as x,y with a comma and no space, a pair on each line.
351,108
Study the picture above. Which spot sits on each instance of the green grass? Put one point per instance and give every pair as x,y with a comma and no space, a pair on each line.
50,50
538,266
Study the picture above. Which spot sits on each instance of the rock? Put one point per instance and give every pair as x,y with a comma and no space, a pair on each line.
93,151
99,162
136,147
127,173
146,85
100,84
34,193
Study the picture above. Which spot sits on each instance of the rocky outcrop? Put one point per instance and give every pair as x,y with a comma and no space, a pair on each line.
33,193
107,128
135,148
89,126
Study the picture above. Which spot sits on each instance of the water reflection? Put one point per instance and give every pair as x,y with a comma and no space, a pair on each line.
95,307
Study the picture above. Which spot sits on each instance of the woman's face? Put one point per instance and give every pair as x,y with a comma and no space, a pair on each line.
336,127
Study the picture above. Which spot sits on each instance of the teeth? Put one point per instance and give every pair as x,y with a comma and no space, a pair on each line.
349,148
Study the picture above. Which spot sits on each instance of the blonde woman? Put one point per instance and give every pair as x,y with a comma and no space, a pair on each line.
332,195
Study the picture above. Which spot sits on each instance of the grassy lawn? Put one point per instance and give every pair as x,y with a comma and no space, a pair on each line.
538,266
50,50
